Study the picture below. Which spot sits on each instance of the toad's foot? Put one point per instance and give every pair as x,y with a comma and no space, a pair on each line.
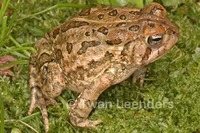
83,122
38,101
80,111
139,75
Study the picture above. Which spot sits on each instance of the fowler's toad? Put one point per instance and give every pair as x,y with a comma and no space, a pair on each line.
97,48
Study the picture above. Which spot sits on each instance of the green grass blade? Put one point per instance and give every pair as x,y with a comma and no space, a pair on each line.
59,5
1,115
17,44
14,63
3,30
3,8
17,49
4,23
20,55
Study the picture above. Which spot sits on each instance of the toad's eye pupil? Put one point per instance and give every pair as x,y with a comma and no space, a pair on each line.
154,40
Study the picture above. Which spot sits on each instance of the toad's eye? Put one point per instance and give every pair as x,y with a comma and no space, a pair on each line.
155,40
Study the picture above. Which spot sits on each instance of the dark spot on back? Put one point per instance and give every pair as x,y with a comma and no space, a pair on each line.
100,16
122,17
113,12
152,25
114,42
86,44
56,32
91,62
121,24
93,30
103,30
59,55
69,47
108,55
135,12
85,12
134,28
87,33
73,24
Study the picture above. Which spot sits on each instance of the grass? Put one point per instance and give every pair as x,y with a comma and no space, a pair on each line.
168,102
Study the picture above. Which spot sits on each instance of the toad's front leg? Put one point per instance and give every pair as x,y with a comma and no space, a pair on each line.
139,74
85,102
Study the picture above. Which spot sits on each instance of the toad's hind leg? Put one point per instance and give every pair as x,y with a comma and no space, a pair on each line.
46,79
37,98
44,91
85,102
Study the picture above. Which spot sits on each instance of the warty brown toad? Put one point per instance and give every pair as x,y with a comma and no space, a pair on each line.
97,48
